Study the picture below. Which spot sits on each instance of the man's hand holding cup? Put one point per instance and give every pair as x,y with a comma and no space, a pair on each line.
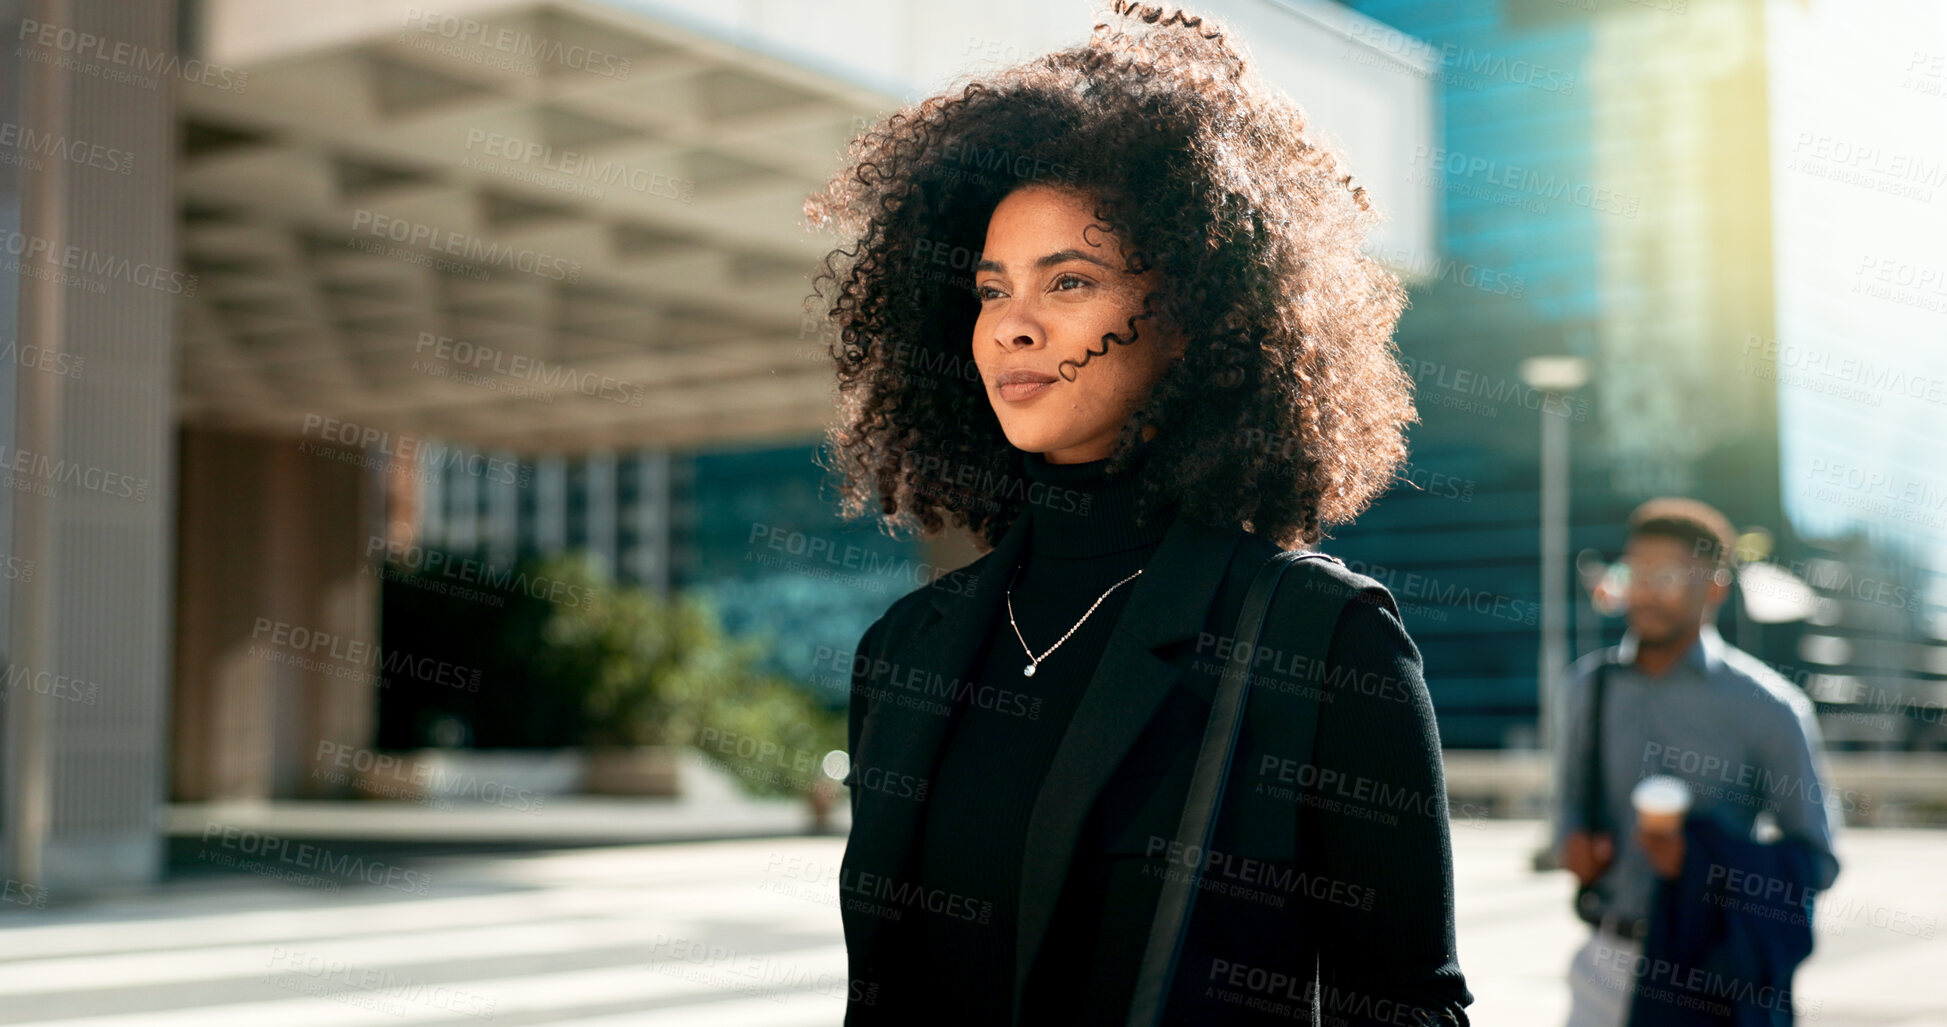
1661,802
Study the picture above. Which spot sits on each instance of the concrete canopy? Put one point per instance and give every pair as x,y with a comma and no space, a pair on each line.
439,232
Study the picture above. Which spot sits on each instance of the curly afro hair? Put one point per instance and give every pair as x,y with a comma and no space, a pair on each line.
1286,413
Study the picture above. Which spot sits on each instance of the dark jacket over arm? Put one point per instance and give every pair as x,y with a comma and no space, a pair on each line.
1728,932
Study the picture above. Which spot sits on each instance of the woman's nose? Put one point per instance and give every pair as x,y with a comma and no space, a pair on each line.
1015,333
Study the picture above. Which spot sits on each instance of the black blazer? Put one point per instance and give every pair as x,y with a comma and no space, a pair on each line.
1368,892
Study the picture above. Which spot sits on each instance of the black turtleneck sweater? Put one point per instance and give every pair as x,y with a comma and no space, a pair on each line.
1082,539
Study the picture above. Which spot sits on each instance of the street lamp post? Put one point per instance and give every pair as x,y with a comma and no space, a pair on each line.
1556,376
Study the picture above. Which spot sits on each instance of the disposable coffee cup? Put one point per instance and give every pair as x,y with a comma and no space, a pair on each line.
1660,801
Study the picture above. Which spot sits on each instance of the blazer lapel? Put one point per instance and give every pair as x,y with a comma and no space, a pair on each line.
1130,682
933,661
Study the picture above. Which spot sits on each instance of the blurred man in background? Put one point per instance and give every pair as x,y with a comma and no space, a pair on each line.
1673,699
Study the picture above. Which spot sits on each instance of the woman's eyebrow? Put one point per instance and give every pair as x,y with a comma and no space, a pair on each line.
1057,257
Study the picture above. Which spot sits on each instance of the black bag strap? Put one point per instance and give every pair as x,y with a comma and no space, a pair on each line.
1588,902
1591,796
1199,820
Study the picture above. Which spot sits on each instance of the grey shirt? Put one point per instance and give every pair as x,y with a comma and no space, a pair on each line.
1742,737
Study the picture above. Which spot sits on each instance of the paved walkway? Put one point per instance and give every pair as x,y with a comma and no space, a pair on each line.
744,933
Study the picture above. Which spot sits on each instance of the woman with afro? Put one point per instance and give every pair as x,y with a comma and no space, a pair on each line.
1106,311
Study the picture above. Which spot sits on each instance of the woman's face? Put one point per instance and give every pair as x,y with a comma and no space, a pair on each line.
1051,284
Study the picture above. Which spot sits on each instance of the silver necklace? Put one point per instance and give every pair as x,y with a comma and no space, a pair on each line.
1033,660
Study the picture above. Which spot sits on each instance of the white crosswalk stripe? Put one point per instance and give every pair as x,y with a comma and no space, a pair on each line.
408,1002
697,935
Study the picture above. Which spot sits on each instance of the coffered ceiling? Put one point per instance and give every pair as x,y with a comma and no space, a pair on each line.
566,231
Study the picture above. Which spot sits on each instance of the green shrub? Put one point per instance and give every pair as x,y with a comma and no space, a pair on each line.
663,672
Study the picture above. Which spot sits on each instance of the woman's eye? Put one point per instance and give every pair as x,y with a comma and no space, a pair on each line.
981,291
1069,278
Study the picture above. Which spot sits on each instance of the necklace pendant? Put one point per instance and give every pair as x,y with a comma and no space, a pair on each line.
1027,671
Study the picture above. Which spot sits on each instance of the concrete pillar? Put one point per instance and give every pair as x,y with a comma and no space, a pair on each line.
85,447
278,596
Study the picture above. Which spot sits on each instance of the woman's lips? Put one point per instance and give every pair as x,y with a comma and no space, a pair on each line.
1014,392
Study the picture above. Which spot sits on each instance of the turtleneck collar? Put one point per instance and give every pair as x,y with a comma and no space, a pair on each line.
1081,510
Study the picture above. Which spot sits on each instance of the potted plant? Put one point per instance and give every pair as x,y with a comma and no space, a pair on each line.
656,675
630,656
